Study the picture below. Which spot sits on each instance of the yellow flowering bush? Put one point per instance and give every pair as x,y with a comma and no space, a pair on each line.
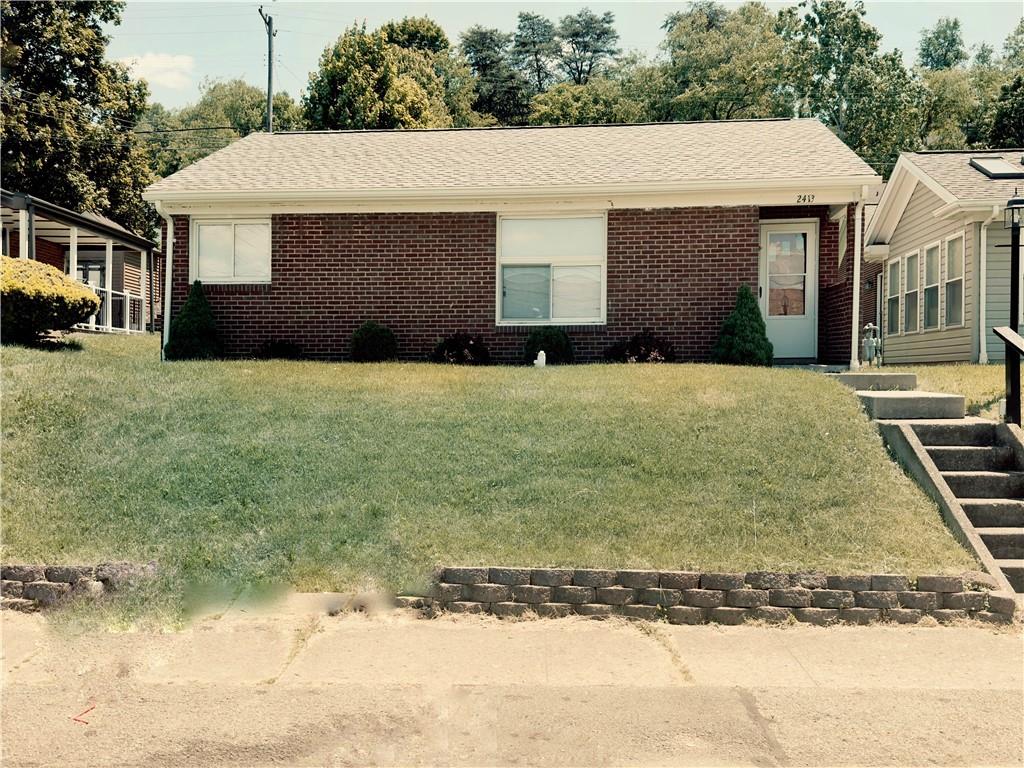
36,298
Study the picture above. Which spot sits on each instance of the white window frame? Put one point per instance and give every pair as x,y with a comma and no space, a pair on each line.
193,249
904,268
944,274
898,296
937,285
580,261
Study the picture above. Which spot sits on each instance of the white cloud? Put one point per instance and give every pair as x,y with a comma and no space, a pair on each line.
168,70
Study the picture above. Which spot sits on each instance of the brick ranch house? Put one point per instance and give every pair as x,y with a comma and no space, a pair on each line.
603,230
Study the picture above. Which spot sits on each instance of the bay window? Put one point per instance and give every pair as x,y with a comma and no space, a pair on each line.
955,281
551,270
230,251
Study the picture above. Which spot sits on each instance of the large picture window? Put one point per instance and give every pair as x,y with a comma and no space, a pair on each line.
931,287
231,252
892,300
955,281
551,270
911,280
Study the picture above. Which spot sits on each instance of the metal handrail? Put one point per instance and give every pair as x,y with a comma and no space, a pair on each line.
1014,349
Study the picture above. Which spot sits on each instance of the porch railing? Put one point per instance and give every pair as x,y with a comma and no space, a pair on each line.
1014,350
119,311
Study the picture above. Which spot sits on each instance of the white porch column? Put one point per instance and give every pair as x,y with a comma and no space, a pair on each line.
73,253
143,255
108,284
858,248
23,234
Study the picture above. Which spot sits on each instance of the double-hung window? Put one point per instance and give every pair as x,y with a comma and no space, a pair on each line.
892,298
551,269
931,287
231,251
911,281
955,281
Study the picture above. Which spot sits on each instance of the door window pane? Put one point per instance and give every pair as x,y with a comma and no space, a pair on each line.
525,293
215,246
576,292
786,295
787,253
252,250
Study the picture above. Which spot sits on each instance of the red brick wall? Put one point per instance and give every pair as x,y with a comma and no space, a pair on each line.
674,271
47,251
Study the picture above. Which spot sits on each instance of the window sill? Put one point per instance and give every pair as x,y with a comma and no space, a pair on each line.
543,323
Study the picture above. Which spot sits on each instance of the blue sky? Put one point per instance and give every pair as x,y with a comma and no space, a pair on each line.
176,45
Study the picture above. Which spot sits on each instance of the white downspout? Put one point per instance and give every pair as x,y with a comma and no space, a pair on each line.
168,270
982,280
858,248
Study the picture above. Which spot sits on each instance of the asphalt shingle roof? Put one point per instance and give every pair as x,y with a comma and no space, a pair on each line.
478,159
953,171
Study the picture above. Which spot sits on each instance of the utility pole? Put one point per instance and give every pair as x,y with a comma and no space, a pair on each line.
268,22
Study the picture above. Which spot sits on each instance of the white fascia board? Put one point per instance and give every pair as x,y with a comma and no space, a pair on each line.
877,252
977,210
893,202
824,192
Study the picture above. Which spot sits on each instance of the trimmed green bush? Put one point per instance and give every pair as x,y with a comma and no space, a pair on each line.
554,341
193,332
36,298
461,349
743,339
644,347
372,343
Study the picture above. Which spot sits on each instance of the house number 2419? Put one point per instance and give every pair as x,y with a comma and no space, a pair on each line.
805,198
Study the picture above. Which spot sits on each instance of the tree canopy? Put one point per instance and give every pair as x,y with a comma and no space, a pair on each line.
942,46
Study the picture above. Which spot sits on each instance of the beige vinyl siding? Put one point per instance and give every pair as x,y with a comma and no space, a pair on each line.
917,229
997,280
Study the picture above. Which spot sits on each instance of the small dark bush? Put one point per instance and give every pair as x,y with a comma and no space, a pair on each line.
555,343
743,340
645,347
279,349
193,331
372,343
461,349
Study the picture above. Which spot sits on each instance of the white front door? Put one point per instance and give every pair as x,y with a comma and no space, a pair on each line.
788,287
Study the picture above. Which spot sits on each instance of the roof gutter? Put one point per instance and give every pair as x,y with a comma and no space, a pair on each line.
982,280
168,271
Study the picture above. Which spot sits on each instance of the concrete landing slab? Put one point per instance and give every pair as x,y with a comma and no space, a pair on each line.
900,405
864,380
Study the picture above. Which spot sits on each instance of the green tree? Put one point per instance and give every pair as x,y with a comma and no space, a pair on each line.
601,100
701,14
1008,122
1013,47
416,33
69,113
534,48
358,85
724,65
587,43
501,90
984,55
942,46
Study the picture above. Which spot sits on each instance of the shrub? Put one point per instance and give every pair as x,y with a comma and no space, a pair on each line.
645,347
461,349
36,298
373,342
554,341
743,340
279,349
193,331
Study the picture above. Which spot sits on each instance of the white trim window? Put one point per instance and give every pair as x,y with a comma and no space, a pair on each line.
551,270
892,297
911,281
931,287
954,281
230,251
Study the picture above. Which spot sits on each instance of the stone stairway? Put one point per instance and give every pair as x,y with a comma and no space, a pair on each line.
986,476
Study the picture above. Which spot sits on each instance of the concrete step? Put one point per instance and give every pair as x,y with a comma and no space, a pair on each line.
1014,572
911,405
994,513
958,434
985,485
971,457
1003,543
875,380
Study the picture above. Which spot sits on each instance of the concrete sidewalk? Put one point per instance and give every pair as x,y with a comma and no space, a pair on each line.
297,687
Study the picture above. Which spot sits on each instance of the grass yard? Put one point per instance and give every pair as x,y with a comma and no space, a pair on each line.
983,386
337,476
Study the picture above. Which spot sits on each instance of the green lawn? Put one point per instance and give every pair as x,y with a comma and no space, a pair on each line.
335,476
983,386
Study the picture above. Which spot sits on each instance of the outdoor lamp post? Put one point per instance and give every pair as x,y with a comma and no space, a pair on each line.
1012,220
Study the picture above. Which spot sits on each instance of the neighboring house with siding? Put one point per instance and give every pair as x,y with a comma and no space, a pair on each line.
938,241
606,231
